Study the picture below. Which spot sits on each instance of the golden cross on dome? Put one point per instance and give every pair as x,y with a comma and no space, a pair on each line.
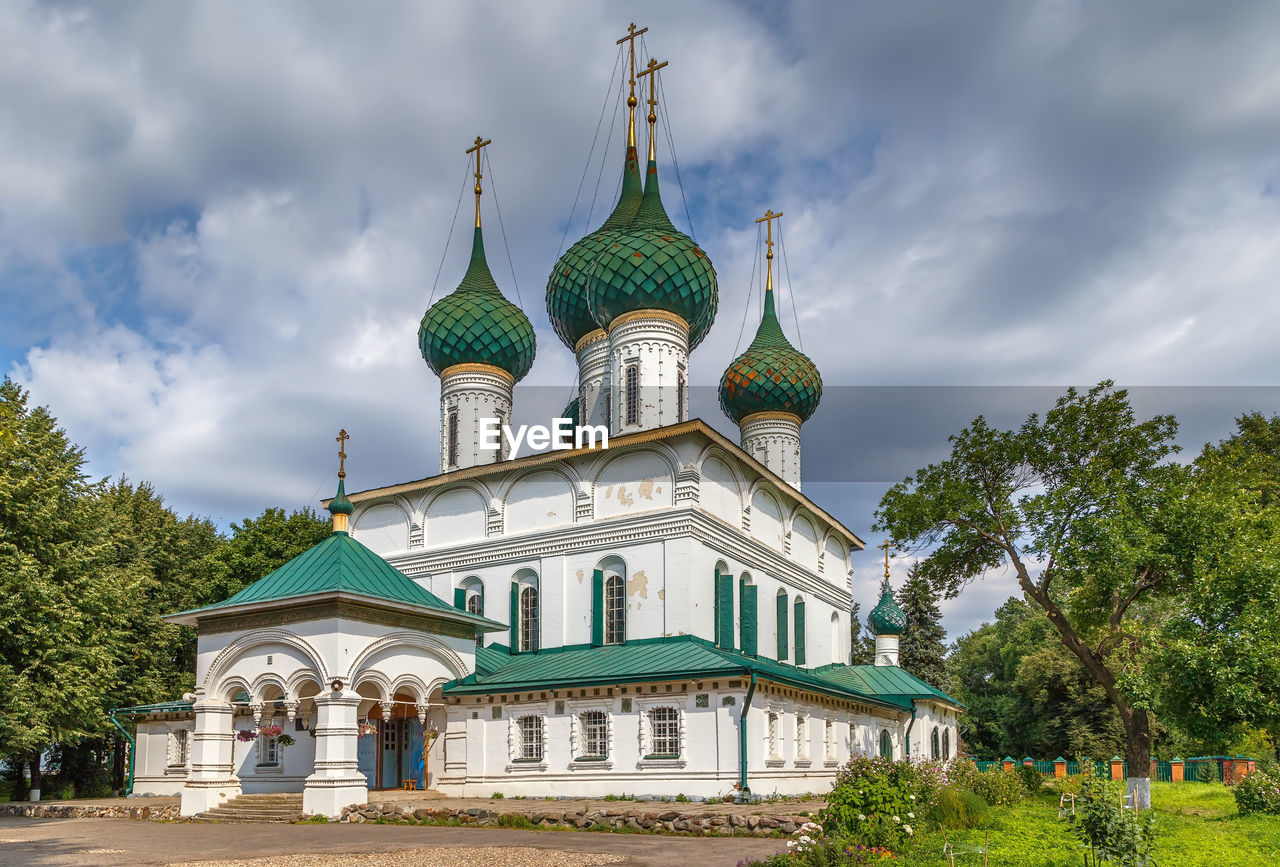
651,71
630,38
767,219
885,547
475,149
342,452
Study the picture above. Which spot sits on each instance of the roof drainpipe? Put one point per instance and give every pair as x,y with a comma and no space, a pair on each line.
744,791
909,725
128,789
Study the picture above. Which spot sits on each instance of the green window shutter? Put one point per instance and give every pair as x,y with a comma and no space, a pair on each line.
460,598
799,632
782,627
515,617
724,610
597,608
749,629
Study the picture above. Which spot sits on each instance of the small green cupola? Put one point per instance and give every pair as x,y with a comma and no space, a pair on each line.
476,324
771,375
652,266
886,618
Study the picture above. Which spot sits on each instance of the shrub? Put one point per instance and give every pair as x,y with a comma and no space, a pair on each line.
957,809
1257,793
1031,779
1112,833
999,787
875,802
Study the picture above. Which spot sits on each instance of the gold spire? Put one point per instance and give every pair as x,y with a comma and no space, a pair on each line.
650,71
885,548
342,452
767,219
632,33
475,149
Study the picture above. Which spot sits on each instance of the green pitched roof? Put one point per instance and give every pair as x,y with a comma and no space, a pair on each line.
175,706
476,324
652,266
685,656
771,375
567,285
886,681
886,618
340,564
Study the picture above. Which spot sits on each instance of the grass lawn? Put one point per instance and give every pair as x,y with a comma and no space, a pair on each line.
1196,824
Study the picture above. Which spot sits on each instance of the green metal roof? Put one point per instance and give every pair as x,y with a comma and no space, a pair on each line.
567,285
886,681
684,656
652,266
886,618
176,706
341,564
476,324
771,375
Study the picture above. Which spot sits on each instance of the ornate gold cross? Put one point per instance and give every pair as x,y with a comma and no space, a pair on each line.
342,453
885,547
632,33
767,219
651,71
475,149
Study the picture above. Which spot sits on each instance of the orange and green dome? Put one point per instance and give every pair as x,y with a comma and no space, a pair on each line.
771,375
652,266
476,324
567,286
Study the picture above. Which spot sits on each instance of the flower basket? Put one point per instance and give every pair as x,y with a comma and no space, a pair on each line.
246,735
285,740
368,728
432,733
269,731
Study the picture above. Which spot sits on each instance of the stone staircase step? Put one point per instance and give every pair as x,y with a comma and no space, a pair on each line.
269,807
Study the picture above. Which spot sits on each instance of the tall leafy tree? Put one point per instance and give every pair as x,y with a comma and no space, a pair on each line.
923,652
1083,506
862,644
258,546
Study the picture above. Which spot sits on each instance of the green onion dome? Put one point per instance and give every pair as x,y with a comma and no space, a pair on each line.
771,376
567,286
572,411
475,324
340,505
886,618
651,266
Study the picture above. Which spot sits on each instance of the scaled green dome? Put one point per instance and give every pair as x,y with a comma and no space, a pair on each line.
886,618
475,324
651,266
771,376
567,285
572,411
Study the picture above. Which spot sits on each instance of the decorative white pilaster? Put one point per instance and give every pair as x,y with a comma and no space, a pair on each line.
211,781
472,393
886,650
337,781
593,378
655,344
773,439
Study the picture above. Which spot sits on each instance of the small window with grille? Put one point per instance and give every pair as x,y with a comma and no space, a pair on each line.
452,436
775,742
529,619
631,392
595,734
615,611
179,746
530,738
664,725
682,395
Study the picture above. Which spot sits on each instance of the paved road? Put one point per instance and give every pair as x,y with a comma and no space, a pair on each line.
41,842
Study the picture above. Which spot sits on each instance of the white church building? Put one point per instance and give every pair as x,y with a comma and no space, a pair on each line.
667,615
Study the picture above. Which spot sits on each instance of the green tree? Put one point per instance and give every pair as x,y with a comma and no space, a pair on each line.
923,652
258,546
55,656
1084,508
862,645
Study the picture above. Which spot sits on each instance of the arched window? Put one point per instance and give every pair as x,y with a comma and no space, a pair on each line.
595,734
615,610
473,589
946,744
452,437
800,631
886,744
529,618
631,392
775,741
664,731
934,747
530,738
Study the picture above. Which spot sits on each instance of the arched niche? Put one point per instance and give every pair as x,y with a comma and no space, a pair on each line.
634,482
383,528
804,542
766,519
455,516
836,556
538,500
719,493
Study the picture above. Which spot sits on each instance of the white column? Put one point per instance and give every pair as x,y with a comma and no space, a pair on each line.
655,344
886,650
773,439
593,378
337,781
211,781
472,392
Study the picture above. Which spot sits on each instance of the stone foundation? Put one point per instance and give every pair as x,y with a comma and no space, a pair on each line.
157,813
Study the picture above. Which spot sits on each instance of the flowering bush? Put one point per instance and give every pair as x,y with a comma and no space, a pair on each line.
875,801
246,735
269,731
285,740
1257,793
999,787
811,849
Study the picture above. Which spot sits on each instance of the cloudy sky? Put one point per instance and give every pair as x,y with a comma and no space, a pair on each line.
221,222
